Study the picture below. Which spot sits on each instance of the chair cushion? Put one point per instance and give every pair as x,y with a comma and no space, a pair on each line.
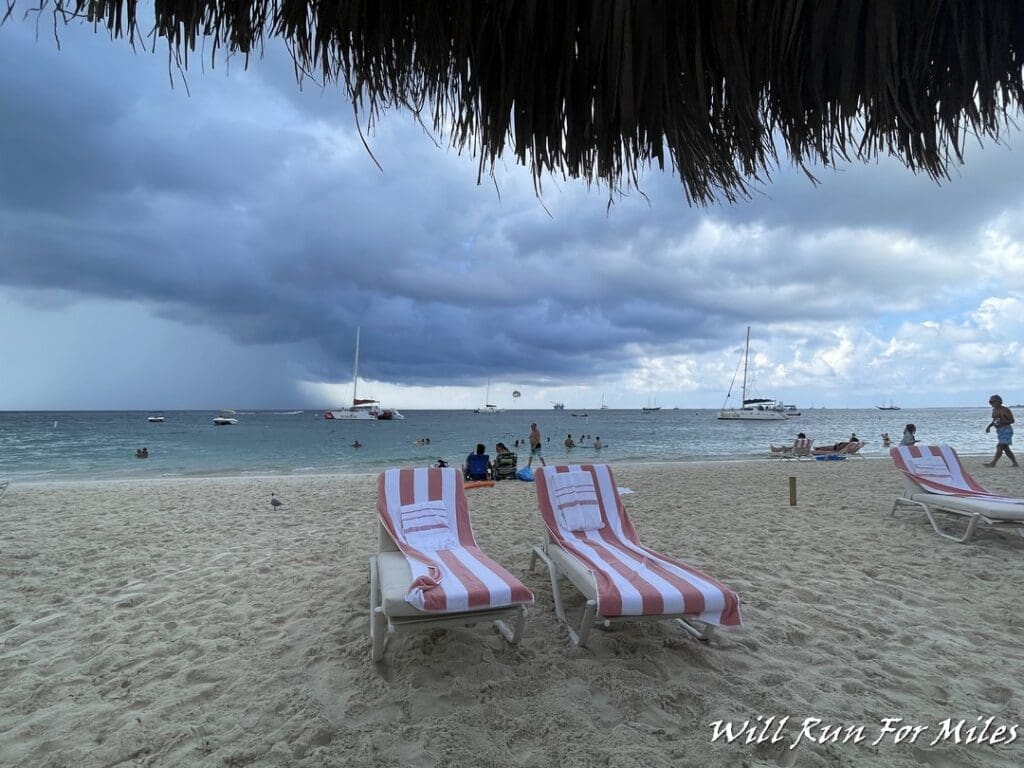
395,580
993,510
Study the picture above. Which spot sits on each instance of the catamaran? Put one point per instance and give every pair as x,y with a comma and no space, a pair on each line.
753,408
365,408
488,406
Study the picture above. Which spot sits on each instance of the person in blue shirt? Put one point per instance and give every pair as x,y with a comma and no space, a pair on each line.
478,465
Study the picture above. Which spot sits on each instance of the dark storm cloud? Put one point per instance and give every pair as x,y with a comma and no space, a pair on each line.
252,208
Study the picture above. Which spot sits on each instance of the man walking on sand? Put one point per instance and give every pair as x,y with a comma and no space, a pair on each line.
1002,420
535,446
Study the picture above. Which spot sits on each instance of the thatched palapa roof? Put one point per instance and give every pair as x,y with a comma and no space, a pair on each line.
599,90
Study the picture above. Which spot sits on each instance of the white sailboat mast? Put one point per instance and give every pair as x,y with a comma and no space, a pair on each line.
355,369
746,355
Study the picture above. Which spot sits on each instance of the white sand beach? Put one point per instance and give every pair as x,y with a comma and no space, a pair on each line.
185,623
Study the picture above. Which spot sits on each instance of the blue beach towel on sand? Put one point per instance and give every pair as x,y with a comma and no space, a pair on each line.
525,474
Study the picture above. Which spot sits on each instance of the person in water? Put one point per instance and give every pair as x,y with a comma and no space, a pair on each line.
142,453
357,444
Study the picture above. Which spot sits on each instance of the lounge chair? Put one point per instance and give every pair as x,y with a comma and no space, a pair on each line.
428,570
800,449
589,538
830,452
505,465
934,480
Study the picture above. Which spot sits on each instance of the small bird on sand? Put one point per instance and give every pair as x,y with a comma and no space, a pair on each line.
275,502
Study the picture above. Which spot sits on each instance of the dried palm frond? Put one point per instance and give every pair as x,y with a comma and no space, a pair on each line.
600,90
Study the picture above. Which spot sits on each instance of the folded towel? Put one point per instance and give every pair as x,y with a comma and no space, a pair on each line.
425,526
930,466
576,502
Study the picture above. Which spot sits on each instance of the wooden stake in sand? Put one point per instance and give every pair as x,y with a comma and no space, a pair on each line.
792,491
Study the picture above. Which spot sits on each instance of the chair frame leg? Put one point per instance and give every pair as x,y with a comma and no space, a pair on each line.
968,533
378,621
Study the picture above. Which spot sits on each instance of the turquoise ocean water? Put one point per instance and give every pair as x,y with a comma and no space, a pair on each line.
41,446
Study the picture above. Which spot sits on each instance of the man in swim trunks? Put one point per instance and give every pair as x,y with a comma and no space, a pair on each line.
1002,420
535,446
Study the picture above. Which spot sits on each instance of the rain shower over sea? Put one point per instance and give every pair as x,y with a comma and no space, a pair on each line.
47,446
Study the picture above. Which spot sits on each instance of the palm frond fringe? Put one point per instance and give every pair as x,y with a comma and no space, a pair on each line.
602,90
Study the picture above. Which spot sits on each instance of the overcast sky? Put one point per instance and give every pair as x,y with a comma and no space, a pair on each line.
217,246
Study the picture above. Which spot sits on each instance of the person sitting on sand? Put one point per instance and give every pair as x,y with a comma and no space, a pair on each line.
909,435
568,442
478,464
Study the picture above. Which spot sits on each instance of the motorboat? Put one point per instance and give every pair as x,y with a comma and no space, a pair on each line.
362,409
224,421
752,408
155,419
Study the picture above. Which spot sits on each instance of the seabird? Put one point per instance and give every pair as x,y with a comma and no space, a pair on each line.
275,502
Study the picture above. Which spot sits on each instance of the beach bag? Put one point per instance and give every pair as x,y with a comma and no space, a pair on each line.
525,474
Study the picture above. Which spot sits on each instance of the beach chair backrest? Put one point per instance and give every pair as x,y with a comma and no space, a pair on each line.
936,469
505,465
424,509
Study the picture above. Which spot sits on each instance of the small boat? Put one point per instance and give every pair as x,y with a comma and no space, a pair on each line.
225,418
889,407
155,419
581,415
651,408
790,411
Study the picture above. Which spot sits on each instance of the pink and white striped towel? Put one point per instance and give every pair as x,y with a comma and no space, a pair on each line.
632,580
426,514
937,469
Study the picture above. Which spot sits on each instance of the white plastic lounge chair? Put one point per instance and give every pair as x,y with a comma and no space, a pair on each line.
589,538
800,449
429,570
935,481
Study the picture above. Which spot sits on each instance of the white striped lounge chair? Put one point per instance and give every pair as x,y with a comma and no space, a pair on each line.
428,570
935,481
589,538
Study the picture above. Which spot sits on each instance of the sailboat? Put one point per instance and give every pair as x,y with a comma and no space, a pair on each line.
753,408
488,407
603,406
889,407
363,409
650,407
